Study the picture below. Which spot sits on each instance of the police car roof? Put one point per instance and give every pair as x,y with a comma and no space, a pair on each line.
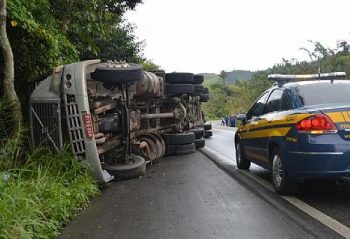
280,78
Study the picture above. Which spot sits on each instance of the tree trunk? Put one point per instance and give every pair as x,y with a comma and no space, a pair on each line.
9,76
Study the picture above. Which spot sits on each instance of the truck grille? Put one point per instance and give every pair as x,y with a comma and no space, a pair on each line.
75,127
46,125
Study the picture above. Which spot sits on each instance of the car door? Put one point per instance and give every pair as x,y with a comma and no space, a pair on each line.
250,133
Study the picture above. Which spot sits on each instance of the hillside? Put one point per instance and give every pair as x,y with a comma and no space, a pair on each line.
231,78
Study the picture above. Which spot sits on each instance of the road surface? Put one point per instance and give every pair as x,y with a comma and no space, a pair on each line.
191,197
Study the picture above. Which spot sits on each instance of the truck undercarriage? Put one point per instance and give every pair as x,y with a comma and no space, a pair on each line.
117,117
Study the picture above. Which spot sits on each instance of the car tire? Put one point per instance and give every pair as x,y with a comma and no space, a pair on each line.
198,79
179,89
179,78
181,149
200,143
208,134
241,161
135,168
178,138
198,133
282,183
112,75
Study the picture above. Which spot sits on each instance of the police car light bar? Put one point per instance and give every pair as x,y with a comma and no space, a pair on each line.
322,76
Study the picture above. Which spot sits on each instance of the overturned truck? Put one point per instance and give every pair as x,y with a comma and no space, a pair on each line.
117,117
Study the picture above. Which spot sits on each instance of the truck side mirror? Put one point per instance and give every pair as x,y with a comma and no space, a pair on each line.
241,119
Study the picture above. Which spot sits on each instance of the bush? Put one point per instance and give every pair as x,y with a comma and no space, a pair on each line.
42,192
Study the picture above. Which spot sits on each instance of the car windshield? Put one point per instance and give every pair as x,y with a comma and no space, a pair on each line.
325,92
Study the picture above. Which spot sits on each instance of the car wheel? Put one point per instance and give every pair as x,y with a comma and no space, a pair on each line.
179,89
241,161
113,74
179,78
134,169
280,180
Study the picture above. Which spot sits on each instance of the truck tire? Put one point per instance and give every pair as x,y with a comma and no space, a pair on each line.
110,74
204,97
157,143
208,134
179,89
178,138
198,88
208,126
198,133
198,79
181,149
200,143
161,140
179,78
135,169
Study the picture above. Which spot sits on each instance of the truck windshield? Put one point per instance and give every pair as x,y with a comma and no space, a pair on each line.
323,92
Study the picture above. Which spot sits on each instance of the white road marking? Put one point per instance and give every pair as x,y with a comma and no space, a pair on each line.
326,220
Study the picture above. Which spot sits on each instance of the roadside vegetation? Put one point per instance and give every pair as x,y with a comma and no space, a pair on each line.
237,97
41,190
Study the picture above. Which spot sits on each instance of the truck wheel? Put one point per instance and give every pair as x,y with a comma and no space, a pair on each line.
204,97
114,74
179,78
157,144
208,126
178,138
181,149
161,140
198,79
179,89
241,161
198,89
198,133
200,143
208,134
135,168
152,152
280,180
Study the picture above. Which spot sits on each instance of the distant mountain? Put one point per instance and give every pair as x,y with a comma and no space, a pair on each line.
235,75
231,77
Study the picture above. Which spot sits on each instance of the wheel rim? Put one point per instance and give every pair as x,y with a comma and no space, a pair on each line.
238,154
277,170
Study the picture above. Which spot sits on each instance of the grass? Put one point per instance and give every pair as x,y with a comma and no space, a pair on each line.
40,192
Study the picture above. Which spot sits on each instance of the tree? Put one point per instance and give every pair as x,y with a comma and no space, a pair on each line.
9,77
223,75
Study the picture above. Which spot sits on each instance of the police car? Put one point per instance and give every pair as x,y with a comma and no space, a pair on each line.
298,129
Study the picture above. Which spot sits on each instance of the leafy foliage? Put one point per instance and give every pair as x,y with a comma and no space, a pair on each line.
40,194
242,94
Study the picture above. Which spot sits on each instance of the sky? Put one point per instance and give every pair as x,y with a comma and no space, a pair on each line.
203,36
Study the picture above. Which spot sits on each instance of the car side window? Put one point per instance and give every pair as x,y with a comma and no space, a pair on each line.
287,100
274,102
259,106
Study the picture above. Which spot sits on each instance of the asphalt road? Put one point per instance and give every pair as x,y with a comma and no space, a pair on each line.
186,197
326,196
